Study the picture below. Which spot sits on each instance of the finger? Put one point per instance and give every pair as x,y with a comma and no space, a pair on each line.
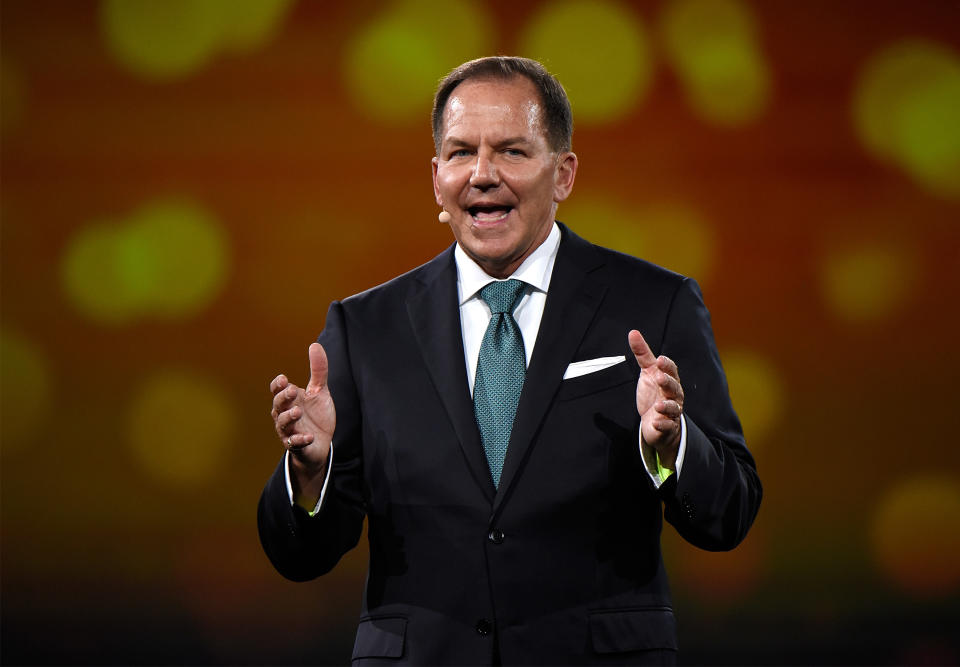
670,386
669,409
283,399
640,349
278,383
668,366
298,441
318,368
664,425
287,419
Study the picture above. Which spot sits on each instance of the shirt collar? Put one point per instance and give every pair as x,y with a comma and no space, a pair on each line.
535,269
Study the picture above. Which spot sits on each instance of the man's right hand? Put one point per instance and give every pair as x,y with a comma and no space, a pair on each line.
305,420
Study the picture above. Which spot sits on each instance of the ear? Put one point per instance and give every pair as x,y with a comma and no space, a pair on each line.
564,176
435,163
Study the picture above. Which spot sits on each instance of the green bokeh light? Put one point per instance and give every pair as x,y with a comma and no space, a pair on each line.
180,425
169,260
906,107
598,50
867,282
25,382
393,64
165,39
92,279
757,391
252,23
162,38
916,535
674,235
174,257
712,45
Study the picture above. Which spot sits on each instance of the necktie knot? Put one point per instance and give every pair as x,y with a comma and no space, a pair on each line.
502,295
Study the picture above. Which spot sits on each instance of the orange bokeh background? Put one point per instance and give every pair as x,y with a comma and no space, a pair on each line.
136,433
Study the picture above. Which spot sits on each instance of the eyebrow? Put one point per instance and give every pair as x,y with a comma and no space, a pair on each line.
456,141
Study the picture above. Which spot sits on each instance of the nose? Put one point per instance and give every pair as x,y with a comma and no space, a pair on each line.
485,174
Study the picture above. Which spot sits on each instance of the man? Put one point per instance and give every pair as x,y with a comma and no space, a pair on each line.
499,417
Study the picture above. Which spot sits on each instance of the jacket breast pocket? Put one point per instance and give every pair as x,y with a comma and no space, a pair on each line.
639,629
380,637
591,383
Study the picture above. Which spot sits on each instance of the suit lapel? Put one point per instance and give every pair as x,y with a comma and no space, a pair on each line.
572,301
435,317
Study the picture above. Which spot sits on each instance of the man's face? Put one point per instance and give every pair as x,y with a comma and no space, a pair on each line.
496,174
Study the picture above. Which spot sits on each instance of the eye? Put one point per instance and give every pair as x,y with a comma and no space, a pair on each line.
460,152
514,152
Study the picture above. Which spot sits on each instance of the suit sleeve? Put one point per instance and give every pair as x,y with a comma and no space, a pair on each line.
713,503
302,547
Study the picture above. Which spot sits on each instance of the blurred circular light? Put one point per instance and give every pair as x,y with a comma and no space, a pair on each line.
916,535
252,23
600,52
173,255
24,390
168,260
672,234
906,106
868,282
180,426
162,38
757,391
92,278
165,39
393,64
712,44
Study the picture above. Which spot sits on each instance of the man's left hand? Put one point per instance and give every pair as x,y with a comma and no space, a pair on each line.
659,401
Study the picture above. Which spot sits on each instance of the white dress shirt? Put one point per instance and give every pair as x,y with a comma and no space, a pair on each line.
535,272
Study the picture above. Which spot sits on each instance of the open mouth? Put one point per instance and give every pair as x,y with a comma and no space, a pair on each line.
491,213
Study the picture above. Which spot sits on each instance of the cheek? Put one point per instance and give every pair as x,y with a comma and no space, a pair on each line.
448,181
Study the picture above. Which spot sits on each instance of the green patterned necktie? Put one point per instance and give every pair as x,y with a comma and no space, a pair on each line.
500,372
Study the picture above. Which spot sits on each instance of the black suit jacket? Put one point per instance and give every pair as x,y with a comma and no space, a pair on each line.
561,564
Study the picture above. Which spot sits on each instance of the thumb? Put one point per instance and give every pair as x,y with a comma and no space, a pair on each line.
318,368
640,349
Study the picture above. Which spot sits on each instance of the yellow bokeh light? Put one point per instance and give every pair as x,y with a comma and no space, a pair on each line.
600,52
169,259
92,279
713,47
25,383
180,426
252,23
175,253
867,282
906,106
757,391
674,235
165,39
916,535
393,64
162,38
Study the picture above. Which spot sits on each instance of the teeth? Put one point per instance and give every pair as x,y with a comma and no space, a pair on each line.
480,216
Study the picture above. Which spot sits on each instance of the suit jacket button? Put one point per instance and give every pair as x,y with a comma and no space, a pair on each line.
484,627
495,536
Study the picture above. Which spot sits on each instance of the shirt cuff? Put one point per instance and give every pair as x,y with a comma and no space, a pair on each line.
326,480
651,461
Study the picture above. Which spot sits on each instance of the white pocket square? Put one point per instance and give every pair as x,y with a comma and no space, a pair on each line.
578,368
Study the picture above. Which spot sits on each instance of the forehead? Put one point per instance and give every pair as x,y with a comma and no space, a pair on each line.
494,106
